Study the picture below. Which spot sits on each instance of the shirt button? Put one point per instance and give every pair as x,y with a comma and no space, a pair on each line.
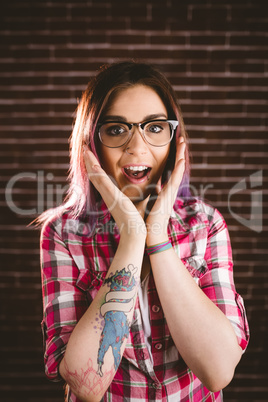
156,309
158,346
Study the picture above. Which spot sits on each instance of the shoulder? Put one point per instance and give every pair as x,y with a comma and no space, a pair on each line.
193,211
64,224
194,207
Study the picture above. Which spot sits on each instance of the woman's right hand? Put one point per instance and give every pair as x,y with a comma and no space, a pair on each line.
124,212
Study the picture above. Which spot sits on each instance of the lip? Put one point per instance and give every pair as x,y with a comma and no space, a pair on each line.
132,179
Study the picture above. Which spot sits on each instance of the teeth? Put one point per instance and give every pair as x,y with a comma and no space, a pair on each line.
137,168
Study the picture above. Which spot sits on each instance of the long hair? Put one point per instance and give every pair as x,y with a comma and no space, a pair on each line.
82,198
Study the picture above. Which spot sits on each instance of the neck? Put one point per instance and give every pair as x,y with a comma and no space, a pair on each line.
144,207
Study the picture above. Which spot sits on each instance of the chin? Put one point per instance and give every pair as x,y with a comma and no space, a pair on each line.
136,197
135,194
138,192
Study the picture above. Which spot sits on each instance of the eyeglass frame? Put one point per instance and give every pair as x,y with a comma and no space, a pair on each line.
174,124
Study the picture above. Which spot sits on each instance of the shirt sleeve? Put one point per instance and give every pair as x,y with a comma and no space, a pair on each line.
218,282
63,302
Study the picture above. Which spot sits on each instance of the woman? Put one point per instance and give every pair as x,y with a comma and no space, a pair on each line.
139,299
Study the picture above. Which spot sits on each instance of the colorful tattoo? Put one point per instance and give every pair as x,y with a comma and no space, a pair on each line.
118,302
98,323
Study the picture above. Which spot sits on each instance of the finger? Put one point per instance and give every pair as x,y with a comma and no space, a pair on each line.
158,185
90,160
168,194
98,176
180,153
177,174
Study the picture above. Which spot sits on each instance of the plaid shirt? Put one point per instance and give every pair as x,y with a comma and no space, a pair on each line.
75,257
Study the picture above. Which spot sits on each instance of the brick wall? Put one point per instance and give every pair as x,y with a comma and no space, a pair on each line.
215,55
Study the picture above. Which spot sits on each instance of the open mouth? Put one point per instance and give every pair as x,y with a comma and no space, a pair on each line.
137,172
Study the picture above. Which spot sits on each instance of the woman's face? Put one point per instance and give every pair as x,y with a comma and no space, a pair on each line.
135,105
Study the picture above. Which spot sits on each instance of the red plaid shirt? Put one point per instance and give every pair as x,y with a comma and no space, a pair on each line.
75,258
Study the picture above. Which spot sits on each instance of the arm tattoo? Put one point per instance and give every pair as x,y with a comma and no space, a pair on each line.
118,301
88,380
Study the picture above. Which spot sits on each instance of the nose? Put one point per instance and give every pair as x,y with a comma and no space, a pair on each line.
137,143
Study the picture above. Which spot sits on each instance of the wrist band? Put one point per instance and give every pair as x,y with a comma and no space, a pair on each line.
158,248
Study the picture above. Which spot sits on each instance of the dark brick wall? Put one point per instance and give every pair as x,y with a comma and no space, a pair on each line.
215,55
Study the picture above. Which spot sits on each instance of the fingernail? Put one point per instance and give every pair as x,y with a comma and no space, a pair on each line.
96,168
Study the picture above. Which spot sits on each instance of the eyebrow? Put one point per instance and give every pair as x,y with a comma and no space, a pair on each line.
123,119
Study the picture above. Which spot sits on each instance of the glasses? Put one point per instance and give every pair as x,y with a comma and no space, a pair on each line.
115,134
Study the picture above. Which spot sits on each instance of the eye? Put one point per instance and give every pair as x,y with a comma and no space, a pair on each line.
114,130
154,127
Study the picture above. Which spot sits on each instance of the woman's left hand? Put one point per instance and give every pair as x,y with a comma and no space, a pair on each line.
157,220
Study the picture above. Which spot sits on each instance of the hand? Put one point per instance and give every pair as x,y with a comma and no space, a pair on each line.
124,212
157,220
